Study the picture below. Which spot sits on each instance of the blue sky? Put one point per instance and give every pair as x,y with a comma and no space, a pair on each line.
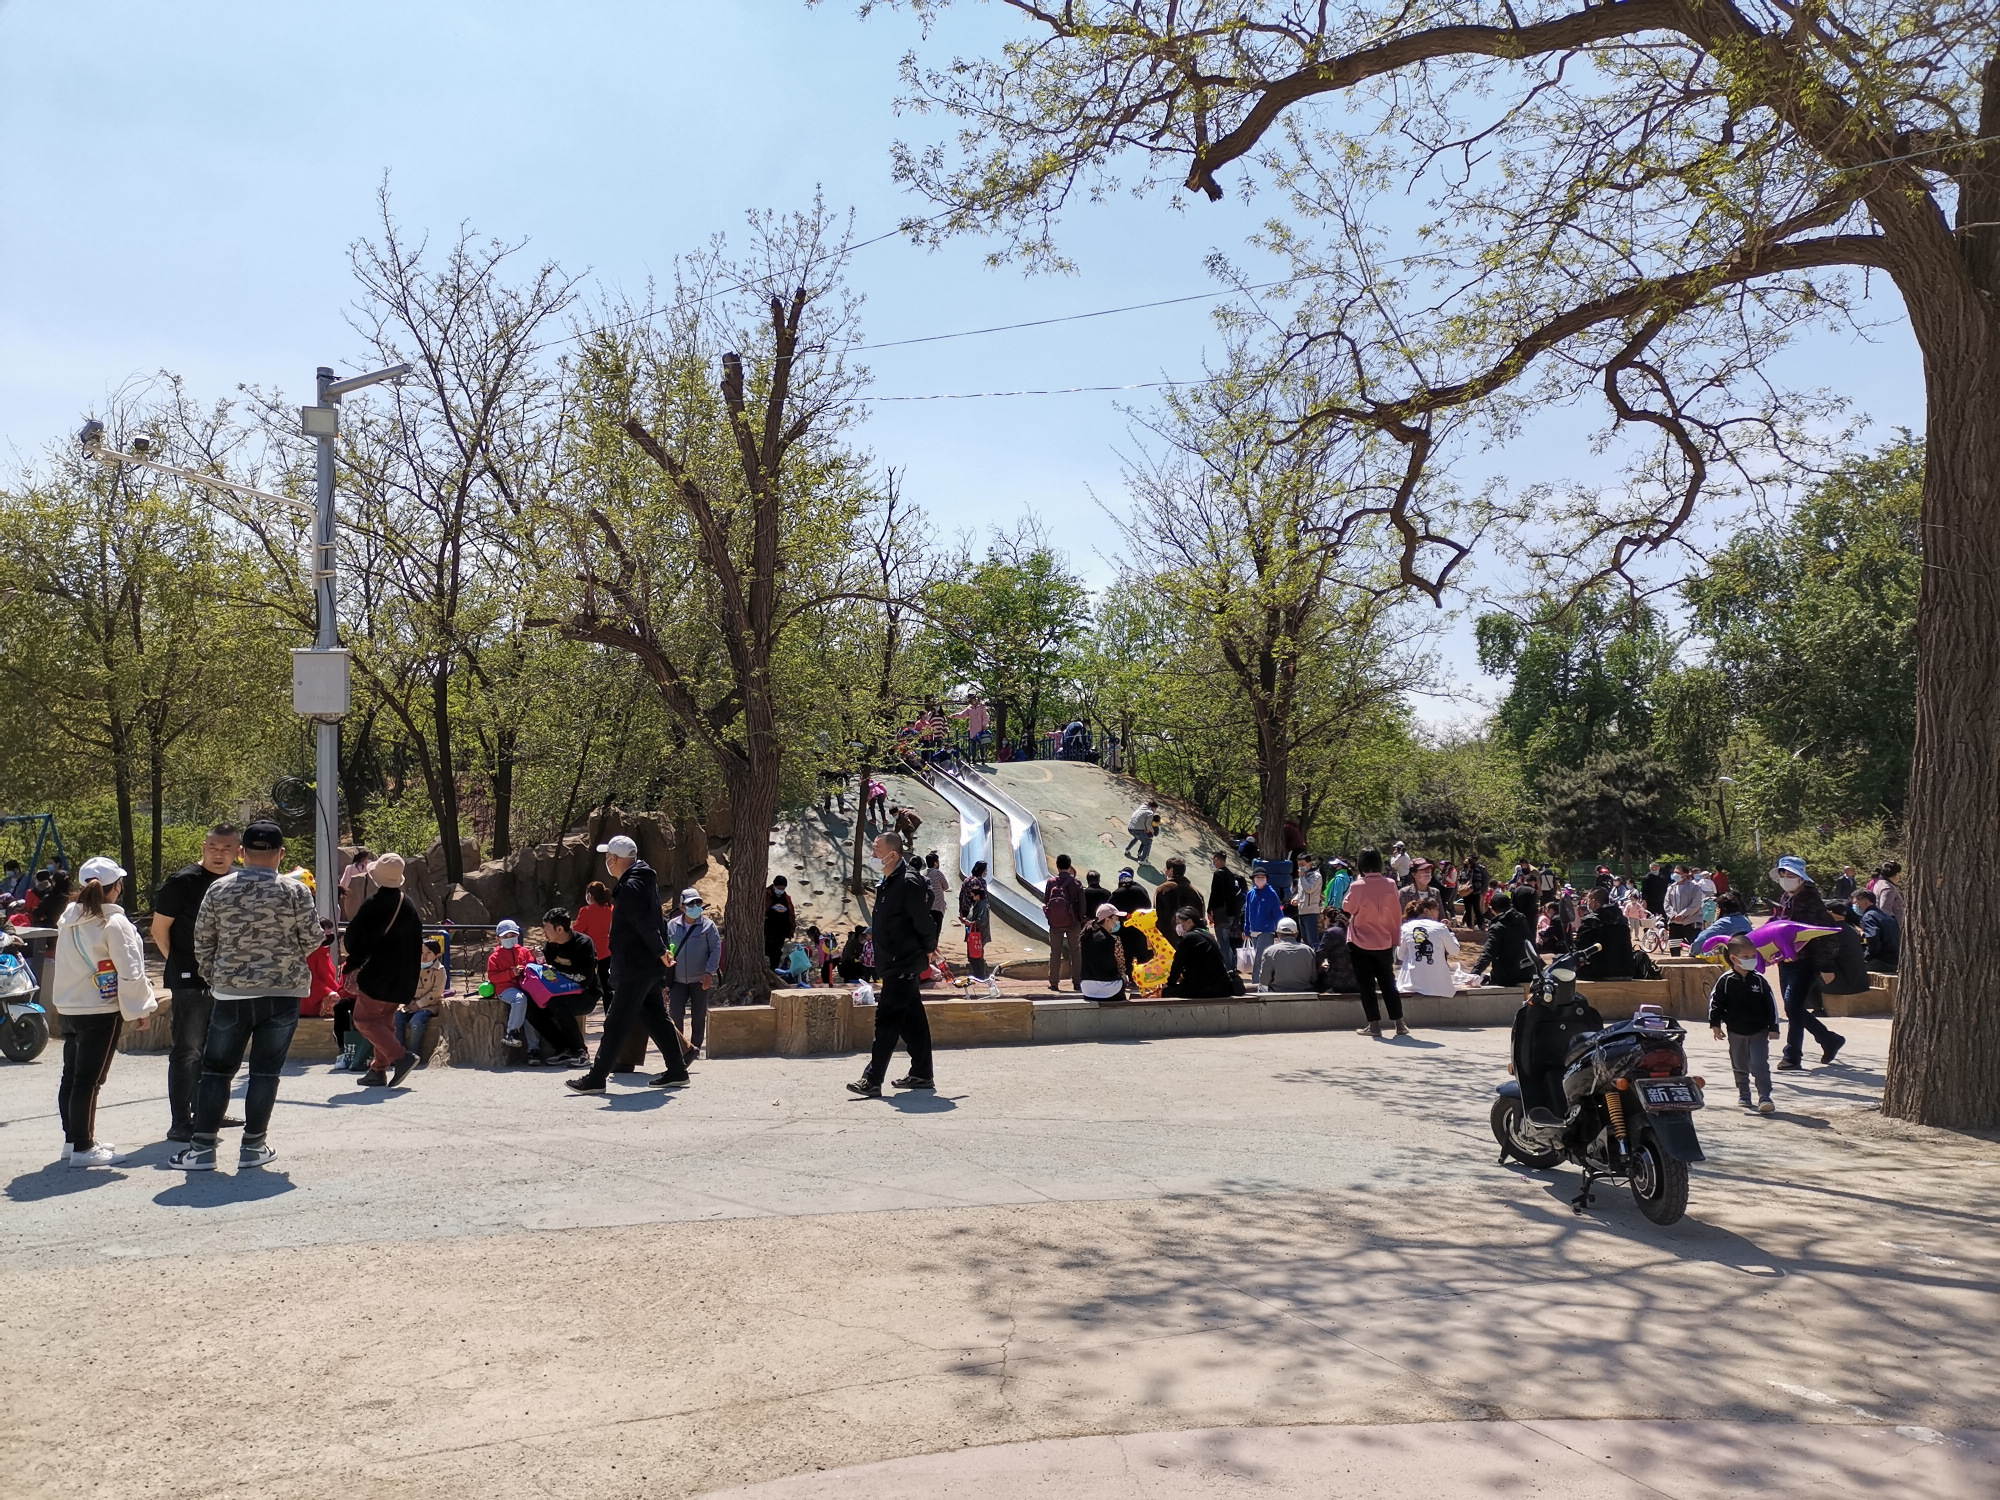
179,185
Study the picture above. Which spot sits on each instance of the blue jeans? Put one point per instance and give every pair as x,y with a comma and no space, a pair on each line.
1144,851
411,1025
264,1025
1309,928
1797,983
1259,941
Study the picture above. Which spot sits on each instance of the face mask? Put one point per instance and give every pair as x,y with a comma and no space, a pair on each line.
694,911
430,961
1789,883
1747,965
510,941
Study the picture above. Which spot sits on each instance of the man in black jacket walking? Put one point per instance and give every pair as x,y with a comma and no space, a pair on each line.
639,960
905,939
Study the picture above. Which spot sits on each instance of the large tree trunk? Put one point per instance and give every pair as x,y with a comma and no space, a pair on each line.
504,741
121,776
753,807
158,766
444,780
1944,1052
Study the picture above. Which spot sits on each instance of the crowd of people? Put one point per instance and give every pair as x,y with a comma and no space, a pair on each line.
245,955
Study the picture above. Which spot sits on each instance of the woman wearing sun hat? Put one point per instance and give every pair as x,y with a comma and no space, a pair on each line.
100,983
1801,902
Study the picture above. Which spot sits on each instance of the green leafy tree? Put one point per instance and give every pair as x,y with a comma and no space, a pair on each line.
1814,625
1582,677
1006,622
1626,802
711,513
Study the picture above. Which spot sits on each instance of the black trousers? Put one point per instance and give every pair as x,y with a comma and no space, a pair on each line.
899,1015
689,999
1376,968
557,1024
636,1002
192,1008
89,1044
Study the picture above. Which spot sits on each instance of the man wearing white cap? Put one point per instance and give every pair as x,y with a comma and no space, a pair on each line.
639,961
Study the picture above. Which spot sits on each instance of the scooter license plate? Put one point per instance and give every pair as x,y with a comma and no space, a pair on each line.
1668,1093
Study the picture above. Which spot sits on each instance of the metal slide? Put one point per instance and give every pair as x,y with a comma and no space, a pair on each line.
1031,864
975,844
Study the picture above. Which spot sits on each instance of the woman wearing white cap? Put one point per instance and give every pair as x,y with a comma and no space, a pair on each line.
100,981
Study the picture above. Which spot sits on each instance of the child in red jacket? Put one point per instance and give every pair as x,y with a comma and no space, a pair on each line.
505,966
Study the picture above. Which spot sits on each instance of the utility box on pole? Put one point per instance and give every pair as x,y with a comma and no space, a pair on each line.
320,684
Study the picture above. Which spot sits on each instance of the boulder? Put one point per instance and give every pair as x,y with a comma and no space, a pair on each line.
464,908
491,885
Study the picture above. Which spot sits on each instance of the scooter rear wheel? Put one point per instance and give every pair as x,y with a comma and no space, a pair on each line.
1659,1182
23,1038
1507,1119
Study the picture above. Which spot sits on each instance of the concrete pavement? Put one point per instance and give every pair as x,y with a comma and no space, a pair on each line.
480,1287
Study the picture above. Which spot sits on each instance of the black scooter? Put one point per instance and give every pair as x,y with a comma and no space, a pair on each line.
1615,1100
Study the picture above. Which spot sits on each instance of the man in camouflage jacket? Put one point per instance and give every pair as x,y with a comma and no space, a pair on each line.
252,937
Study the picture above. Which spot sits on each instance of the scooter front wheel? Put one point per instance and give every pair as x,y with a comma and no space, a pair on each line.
23,1037
1507,1119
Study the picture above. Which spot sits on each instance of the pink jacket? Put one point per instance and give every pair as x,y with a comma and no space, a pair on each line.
1375,909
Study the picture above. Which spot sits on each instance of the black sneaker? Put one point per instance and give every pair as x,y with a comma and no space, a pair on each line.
373,1080
914,1082
862,1088
536,1060
583,1083
1830,1050
668,1081
402,1070
1786,1065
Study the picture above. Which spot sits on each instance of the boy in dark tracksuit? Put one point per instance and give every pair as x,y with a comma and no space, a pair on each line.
1743,1003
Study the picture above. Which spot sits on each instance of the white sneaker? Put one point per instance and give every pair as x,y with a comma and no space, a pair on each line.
255,1156
103,1154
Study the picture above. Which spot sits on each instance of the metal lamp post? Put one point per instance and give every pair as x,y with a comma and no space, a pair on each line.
319,673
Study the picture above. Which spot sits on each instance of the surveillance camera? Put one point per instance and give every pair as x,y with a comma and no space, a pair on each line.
142,445
92,436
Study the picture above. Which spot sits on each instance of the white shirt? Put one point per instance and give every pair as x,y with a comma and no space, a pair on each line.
1426,952
1401,865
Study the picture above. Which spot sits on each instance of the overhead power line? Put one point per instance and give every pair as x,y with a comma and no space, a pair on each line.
1064,390
1102,312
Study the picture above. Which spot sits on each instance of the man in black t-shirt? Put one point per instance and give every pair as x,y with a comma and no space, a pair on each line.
174,907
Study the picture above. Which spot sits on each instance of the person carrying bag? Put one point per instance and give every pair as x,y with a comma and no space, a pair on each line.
100,983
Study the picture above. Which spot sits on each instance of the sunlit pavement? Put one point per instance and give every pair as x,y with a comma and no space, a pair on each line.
480,1286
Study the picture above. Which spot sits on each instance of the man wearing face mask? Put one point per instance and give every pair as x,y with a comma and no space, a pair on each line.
697,950
1801,902
904,947
639,961
1741,1002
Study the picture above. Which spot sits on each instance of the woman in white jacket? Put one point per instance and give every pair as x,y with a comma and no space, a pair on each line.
100,982
1428,946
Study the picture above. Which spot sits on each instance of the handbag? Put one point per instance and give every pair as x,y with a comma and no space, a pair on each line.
542,983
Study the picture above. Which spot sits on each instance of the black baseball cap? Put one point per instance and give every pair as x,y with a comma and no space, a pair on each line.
263,836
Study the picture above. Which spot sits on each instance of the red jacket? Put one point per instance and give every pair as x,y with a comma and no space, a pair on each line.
505,966
325,983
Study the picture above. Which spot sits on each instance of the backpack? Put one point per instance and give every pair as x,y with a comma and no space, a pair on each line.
1643,966
1060,914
